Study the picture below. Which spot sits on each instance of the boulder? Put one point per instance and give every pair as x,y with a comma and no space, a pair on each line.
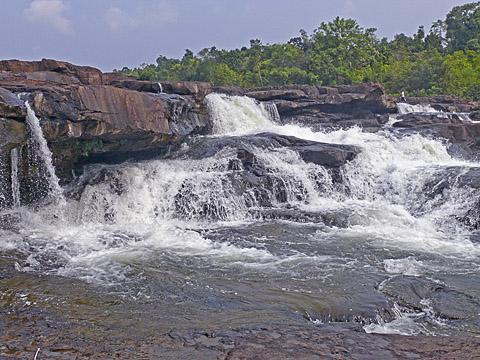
475,115
328,155
418,293
42,71
12,115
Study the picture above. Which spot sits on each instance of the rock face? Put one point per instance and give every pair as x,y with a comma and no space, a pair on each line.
12,115
87,113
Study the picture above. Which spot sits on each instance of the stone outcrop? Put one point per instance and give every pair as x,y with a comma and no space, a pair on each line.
475,115
12,127
86,113
325,106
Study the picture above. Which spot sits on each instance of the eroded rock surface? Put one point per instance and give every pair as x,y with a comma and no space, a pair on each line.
419,293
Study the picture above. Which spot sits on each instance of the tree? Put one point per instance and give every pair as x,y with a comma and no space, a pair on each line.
444,61
463,25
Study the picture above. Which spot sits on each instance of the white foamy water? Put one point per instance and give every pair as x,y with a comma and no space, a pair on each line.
235,115
404,108
200,216
404,323
272,111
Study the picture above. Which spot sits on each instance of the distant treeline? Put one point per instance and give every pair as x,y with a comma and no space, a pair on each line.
446,60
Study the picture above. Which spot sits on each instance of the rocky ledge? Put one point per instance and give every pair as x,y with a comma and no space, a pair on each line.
85,112
87,115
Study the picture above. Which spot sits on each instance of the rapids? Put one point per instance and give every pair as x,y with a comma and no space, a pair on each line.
182,238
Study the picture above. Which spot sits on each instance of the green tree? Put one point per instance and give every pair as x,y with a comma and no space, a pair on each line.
463,25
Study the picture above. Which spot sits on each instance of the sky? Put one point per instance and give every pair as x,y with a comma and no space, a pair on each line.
111,34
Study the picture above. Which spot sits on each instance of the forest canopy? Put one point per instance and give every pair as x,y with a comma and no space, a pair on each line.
444,60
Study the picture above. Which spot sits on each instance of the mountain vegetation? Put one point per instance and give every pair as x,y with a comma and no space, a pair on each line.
444,60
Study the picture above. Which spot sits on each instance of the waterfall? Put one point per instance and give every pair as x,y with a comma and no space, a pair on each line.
234,115
464,117
404,108
15,156
160,87
44,152
4,185
240,218
272,111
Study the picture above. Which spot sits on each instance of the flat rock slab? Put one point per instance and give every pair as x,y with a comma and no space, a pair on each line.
328,341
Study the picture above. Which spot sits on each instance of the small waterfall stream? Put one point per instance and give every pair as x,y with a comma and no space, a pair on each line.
45,154
404,108
15,158
272,111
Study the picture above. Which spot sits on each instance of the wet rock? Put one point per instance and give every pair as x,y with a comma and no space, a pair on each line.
336,219
326,341
418,294
9,99
328,155
475,115
12,116
12,134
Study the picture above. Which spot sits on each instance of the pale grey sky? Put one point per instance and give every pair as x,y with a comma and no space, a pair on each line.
111,34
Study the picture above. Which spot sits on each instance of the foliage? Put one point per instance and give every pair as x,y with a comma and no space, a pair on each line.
444,60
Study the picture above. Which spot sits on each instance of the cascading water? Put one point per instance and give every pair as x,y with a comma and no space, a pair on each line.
232,230
234,115
404,108
44,152
272,111
15,157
